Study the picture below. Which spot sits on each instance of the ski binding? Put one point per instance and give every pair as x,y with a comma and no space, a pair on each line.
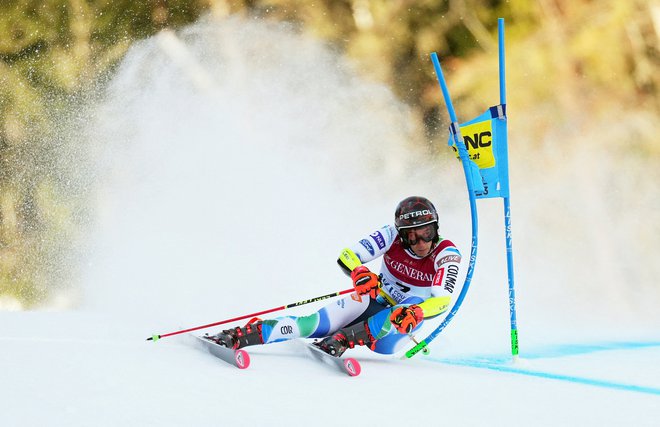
239,358
347,365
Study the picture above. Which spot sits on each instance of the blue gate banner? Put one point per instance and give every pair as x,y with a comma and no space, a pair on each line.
485,138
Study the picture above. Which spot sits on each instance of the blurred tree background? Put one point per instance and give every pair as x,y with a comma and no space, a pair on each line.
568,62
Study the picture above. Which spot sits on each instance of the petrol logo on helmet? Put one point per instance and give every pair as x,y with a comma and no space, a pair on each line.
415,214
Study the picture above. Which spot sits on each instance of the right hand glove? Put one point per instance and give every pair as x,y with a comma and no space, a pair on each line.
365,282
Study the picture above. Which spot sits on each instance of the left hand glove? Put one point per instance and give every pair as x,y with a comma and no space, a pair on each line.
405,319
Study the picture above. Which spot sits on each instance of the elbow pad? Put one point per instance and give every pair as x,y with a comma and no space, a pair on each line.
348,261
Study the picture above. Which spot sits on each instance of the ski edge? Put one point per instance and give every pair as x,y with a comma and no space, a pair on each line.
347,365
238,358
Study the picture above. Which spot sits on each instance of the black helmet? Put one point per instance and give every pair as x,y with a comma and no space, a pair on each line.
415,212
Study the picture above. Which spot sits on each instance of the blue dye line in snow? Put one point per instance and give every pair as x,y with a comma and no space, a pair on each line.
576,349
566,350
548,375
501,364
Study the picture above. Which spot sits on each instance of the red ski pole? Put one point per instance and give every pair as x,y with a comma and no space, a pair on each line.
295,304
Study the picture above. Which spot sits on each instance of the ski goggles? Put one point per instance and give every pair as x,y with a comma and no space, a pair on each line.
411,236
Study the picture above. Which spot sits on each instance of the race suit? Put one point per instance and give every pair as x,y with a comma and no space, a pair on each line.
406,279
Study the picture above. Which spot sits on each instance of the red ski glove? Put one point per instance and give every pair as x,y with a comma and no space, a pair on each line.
365,282
405,319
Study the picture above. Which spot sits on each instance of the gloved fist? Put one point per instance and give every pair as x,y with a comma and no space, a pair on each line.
365,282
405,319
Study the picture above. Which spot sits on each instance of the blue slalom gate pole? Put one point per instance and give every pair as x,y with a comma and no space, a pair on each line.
487,176
507,205
467,165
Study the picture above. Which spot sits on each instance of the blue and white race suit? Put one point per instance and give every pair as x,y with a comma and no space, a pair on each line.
428,281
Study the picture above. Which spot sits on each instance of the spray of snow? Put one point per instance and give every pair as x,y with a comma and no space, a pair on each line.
239,158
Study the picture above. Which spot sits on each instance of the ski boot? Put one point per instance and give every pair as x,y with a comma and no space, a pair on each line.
238,337
342,340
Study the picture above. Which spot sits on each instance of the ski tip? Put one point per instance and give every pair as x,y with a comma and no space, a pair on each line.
153,338
242,359
352,367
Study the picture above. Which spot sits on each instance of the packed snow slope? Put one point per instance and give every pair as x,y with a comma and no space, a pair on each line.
231,164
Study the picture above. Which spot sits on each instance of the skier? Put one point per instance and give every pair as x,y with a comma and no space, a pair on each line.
417,278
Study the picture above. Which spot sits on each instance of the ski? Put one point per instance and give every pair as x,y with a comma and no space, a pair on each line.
239,358
347,365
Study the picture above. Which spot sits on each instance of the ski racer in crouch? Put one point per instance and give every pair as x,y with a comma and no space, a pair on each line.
416,282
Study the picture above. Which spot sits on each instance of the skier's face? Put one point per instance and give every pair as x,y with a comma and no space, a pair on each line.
425,233
421,239
421,248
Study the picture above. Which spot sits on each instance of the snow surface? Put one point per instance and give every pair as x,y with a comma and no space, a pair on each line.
233,161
